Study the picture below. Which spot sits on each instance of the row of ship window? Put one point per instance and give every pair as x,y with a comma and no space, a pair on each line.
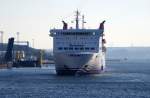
77,43
75,38
77,55
76,33
70,48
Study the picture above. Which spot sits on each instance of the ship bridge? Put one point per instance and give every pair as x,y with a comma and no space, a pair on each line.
76,30
76,40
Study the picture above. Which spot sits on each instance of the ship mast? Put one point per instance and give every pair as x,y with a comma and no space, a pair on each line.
77,19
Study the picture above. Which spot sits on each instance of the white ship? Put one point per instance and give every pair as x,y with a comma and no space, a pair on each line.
78,50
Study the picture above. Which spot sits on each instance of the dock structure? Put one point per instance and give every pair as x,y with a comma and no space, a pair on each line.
6,61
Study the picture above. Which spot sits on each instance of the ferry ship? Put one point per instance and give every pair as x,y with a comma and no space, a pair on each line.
78,50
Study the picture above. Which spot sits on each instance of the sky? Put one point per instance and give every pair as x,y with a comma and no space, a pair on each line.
127,21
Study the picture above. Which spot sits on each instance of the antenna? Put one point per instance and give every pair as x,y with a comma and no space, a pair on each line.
77,19
83,22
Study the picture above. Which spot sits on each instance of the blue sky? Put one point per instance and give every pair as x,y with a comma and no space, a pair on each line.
127,21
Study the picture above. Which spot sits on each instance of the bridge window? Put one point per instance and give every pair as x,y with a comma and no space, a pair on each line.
76,48
86,48
92,48
70,48
59,48
81,48
65,48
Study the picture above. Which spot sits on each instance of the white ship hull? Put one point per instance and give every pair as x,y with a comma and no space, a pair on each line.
71,63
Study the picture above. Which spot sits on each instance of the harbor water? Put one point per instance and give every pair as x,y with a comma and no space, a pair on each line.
122,79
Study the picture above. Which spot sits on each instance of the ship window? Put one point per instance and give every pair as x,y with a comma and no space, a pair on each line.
70,48
65,48
81,48
59,48
78,55
92,48
86,48
76,48
70,55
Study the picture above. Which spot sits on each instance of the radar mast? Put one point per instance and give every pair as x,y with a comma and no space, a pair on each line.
77,19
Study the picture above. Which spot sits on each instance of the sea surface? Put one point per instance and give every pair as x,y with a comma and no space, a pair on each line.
122,79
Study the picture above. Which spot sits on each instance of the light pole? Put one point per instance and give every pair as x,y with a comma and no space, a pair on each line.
1,32
33,43
18,37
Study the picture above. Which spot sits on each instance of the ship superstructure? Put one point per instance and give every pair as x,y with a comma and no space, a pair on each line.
78,50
